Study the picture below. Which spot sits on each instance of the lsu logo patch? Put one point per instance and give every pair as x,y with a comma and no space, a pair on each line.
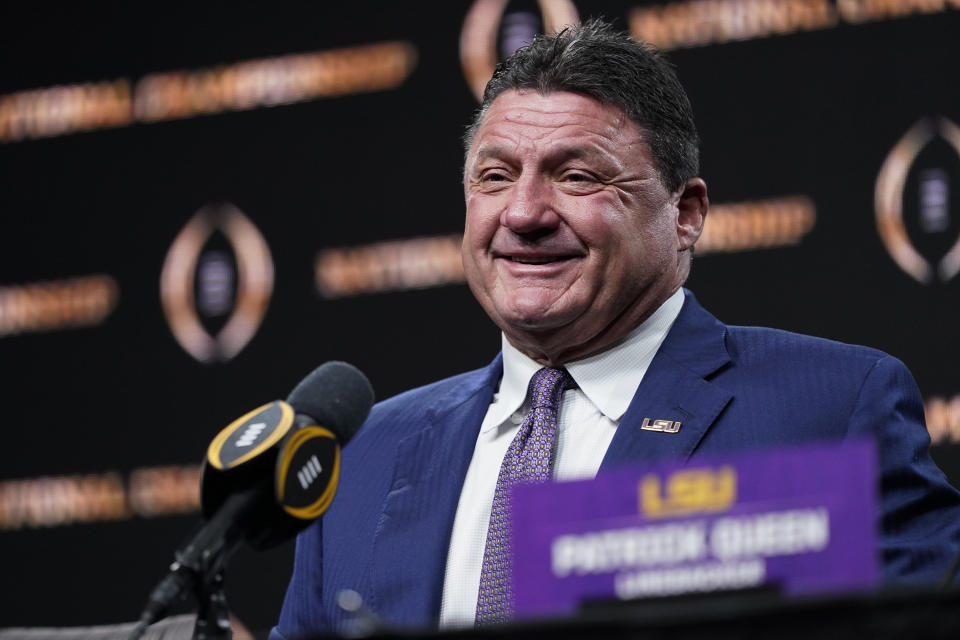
666,426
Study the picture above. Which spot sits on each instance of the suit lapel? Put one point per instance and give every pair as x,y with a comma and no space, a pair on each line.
413,534
676,388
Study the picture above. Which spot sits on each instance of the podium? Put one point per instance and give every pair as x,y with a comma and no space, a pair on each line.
922,613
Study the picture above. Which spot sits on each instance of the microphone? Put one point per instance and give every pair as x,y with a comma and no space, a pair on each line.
266,476
288,453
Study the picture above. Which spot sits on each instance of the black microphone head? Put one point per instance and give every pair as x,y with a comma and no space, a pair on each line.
337,395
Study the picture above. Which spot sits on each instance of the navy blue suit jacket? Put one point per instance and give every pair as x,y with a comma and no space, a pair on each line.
387,532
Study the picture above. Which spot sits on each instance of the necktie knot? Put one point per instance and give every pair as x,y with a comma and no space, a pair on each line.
547,386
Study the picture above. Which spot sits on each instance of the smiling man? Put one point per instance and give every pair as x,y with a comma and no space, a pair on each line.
583,209
572,239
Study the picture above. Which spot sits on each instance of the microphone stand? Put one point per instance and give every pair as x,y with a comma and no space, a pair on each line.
199,567
213,617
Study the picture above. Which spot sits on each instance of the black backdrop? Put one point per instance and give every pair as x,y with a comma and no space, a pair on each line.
810,113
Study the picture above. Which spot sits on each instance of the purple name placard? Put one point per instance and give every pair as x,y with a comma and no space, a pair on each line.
803,519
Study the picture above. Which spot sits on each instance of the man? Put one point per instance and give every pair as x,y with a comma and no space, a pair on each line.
583,208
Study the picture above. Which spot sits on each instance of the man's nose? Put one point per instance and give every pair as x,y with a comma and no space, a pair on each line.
531,206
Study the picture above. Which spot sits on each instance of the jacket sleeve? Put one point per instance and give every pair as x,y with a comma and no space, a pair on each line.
919,509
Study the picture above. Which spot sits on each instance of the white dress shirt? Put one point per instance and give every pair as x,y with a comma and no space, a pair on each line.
587,420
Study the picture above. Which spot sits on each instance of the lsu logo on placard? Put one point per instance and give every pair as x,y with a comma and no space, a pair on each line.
688,491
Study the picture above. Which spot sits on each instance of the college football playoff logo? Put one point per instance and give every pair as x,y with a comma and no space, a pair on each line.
494,29
916,206
216,283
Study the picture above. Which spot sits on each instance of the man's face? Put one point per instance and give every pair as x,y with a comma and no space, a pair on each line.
571,239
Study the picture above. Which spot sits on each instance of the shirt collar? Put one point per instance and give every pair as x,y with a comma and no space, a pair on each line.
609,379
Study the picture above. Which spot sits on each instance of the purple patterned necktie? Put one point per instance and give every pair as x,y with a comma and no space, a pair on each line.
529,459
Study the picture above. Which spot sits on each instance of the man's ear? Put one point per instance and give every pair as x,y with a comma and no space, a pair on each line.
692,208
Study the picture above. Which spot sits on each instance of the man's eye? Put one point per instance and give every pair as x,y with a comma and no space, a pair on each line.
578,176
493,176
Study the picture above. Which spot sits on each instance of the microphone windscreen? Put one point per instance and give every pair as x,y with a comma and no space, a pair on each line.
337,395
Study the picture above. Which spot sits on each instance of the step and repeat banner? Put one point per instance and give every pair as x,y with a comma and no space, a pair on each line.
200,205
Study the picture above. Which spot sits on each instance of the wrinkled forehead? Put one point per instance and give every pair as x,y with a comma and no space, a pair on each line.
528,117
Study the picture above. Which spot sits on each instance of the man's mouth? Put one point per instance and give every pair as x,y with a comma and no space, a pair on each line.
537,260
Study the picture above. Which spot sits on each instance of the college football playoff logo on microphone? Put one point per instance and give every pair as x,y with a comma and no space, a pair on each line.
216,283
917,212
494,29
307,472
250,435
